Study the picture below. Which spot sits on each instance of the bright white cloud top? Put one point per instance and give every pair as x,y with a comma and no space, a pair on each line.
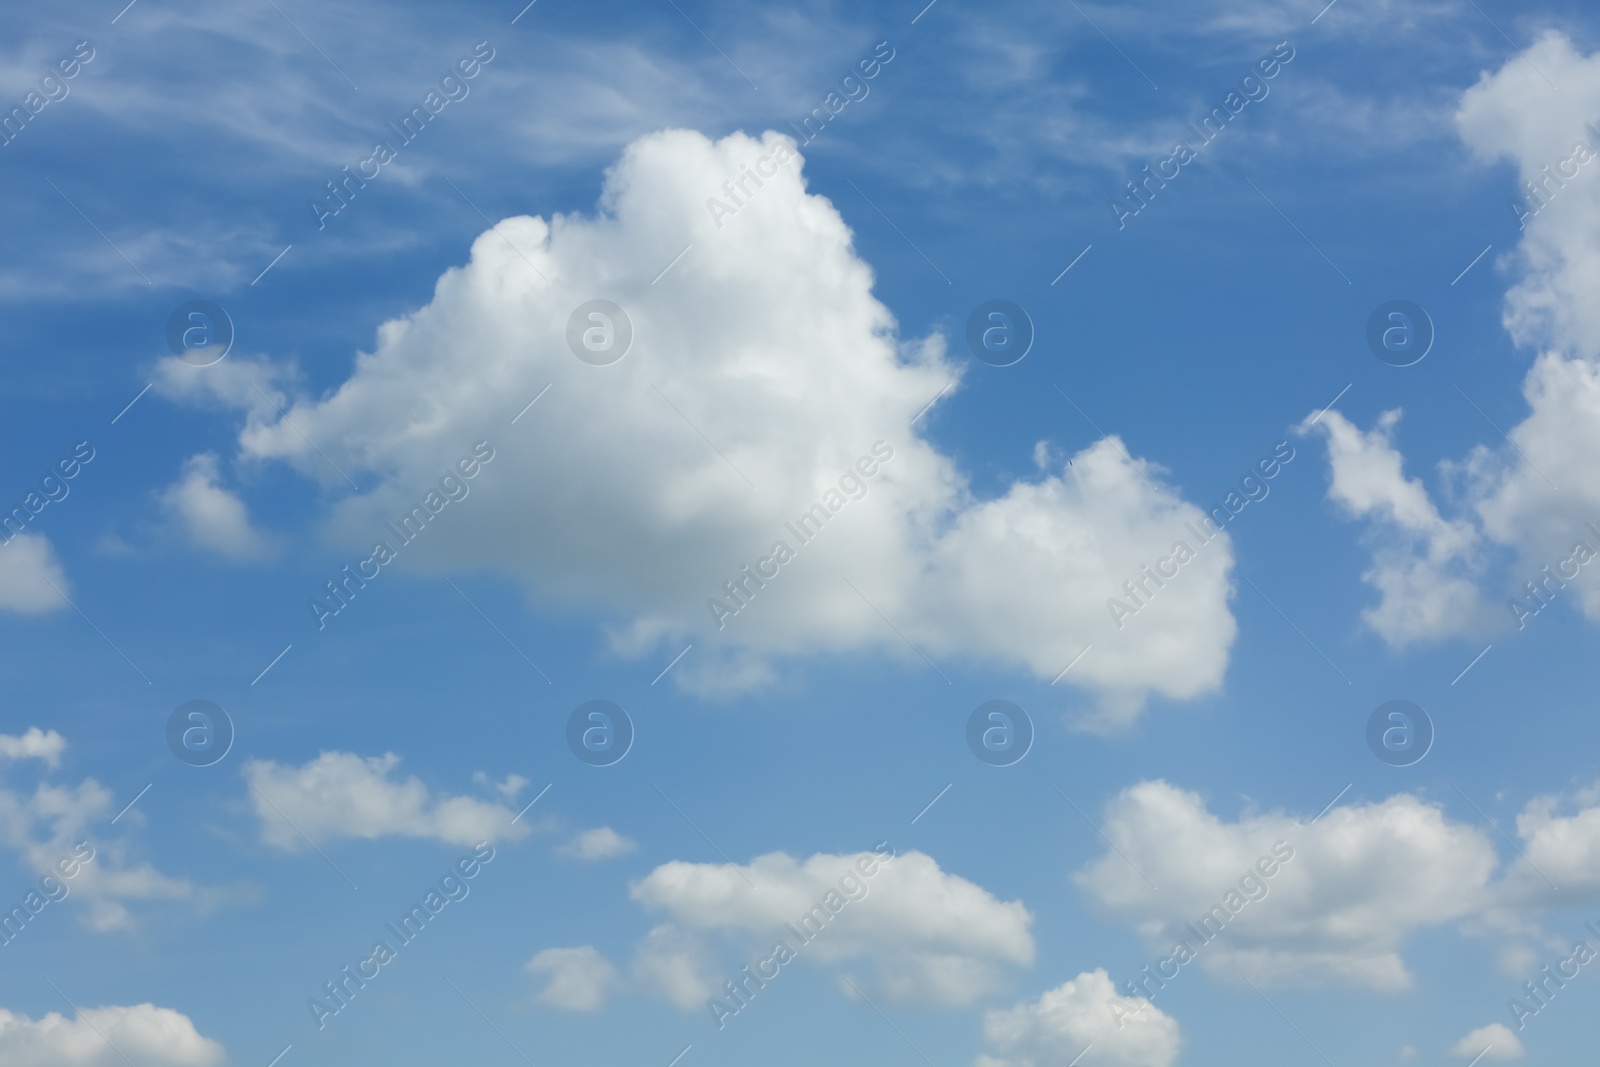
762,370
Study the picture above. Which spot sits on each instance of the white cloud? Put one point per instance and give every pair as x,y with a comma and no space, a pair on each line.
341,794
1558,848
675,965
1065,1021
931,937
34,744
1423,566
578,977
100,1037
1427,566
210,515
1361,880
508,789
601,843
1492,1042
1515,114
43,828
1515,503
254,384
765,338
28,566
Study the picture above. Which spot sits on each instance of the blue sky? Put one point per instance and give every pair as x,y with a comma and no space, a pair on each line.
799,342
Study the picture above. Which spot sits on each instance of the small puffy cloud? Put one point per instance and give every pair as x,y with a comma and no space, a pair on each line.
602,843
341,794
1064,1022
1492,1042
28,566
508,789
1424,566
255,385
578,978
1357,883
675,965
211,516
34,744
767,340
100,1037
932,937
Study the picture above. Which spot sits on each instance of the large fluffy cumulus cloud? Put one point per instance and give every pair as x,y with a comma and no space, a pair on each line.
762,369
